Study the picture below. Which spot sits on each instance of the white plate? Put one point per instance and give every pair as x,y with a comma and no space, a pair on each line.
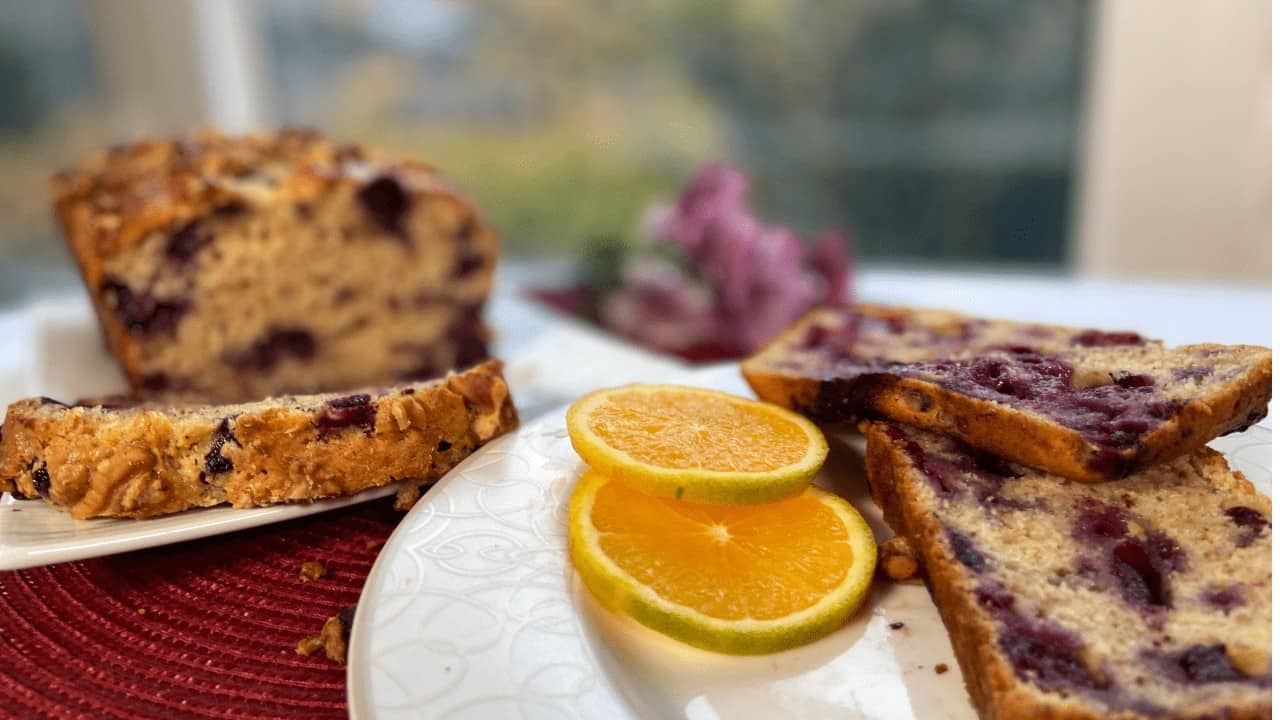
32,533
473,611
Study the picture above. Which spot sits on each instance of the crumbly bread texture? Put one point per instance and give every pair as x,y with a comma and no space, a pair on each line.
1143,597
1084,404
141,460
234,268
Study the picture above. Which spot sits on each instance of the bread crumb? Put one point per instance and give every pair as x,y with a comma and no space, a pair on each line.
407,495
142,611
309,645
940,668
898,559
312,570
371,544
333,637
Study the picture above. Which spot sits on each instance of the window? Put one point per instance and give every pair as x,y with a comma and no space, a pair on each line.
938,132
48,105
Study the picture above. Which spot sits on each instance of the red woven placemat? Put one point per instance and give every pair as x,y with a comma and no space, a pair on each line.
202,629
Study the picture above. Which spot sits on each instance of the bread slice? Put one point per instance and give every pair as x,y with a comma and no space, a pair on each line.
1143,597
235,268
141,460
1085,404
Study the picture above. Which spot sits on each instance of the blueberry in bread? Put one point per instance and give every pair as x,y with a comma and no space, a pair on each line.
1148,596
234,268
1084,404
137,459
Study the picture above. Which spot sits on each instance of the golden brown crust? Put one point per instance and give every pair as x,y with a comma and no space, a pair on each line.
1026,437
995,691
114,198
156,460
991,685
114,206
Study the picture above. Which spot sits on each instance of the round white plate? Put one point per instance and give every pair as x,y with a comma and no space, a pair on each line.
473,611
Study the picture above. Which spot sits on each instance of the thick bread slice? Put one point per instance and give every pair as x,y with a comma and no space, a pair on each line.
1085,404
1143,597
142,460
236,268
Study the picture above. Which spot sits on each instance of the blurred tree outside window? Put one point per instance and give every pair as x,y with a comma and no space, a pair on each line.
48,105
937,132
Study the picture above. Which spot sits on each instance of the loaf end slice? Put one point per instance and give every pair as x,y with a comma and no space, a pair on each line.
235,268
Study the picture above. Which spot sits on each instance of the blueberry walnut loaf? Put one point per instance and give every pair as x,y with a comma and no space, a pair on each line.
1085,404
234,268
1143,597
140,460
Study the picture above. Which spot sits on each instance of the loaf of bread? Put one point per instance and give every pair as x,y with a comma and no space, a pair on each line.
128,459
1084,404
233,268
1147,597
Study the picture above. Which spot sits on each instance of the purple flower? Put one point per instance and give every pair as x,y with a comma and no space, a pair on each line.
756,279
761,286
660,306
716,192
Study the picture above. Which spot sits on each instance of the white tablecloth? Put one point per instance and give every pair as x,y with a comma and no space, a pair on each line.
52,348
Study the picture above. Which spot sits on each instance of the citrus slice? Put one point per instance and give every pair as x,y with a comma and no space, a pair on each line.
695,444
734,579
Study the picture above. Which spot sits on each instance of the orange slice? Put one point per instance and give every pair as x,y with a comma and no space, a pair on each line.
695,444
734,579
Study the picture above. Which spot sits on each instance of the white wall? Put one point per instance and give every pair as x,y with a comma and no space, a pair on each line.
171,65
1176,163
